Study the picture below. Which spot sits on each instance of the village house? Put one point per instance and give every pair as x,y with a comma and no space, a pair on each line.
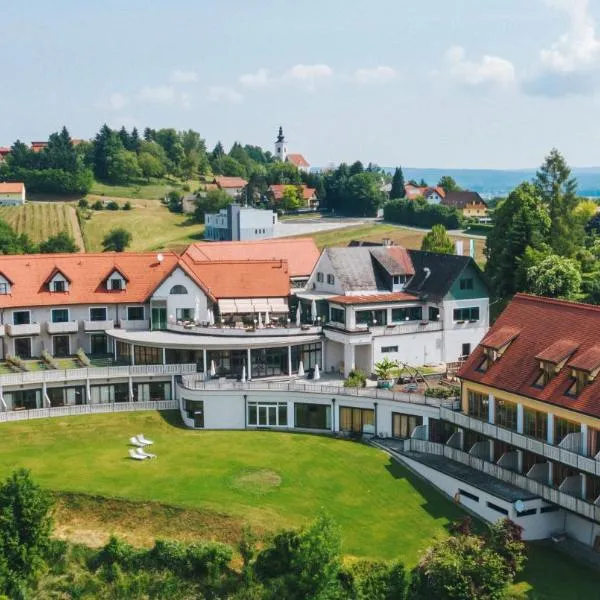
308,194
12,194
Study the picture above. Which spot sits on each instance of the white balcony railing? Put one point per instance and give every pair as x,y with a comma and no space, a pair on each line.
64,327
98,325
134,325
518,440
28,329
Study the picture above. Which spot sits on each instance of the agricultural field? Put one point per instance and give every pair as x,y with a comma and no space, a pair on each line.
153,226
42,220
155,190
208,484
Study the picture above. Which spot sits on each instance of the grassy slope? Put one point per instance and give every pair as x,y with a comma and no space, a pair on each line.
384,511
152,225
155,190
40,221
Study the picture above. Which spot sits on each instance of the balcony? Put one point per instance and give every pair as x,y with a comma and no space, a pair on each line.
407,328
270,331
64,327
98,325
25,329
137,325
562,453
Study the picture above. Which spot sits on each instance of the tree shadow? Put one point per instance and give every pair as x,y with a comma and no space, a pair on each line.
173,418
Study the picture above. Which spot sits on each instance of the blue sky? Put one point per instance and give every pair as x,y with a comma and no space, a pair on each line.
422,83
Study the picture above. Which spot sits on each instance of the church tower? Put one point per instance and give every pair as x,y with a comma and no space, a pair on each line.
281,146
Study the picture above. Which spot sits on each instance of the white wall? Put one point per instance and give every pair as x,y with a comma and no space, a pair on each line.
324,266
456,334
416,349
195,298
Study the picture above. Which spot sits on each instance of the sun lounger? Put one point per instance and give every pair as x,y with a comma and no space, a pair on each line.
135,442
135,456
143,440
142,453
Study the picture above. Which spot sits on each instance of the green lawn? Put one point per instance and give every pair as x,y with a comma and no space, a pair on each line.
155,190
269,479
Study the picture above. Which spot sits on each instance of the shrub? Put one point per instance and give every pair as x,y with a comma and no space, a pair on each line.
49,359
127,205
356,379
440,392
185,187
83,358
16,362
83,203
112,205
421,214
98,205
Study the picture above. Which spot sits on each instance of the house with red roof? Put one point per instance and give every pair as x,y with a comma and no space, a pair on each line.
308,194
12,194
281,152
4,152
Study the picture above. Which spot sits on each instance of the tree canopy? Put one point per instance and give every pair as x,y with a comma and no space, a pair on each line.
397,190
117,240
437,240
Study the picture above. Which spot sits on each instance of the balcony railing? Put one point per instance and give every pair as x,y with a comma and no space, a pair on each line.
98,325
240,331
550,494
523,442
64,327
134,325
407,328
26,329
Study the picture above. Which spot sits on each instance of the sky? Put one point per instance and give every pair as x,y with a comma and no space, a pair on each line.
429,83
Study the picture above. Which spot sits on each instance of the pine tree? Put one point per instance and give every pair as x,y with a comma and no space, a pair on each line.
398,190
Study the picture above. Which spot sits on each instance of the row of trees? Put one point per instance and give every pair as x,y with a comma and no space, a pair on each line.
296,565
420,213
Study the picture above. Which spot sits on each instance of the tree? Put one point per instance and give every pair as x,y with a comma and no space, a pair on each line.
556,277
150,165
506,539
557,190
385,368
372,580
437,240
123,167
448,184
210,202
11,243
61,242
25,529
363,196
225,165
175,201
291,198
116,240
397,190
520,221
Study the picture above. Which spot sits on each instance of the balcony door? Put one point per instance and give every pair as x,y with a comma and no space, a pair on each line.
159,317
23,347
60,346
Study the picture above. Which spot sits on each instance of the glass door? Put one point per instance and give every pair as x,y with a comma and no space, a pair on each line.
159,318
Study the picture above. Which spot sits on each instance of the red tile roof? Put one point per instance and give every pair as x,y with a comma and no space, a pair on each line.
278,189
542,323
230,182
298,160
558,351
301,254
11,188
373,298
498,338
4,150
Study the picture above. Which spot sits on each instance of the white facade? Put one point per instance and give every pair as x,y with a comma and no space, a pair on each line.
10,197
180,294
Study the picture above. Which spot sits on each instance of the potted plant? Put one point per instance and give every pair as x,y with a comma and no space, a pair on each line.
385,370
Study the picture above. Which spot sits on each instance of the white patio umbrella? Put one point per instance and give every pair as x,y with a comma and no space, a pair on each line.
317,375
260,323
213,371
243,373
267,320
313,310
298,315
301,369
211,317
197,309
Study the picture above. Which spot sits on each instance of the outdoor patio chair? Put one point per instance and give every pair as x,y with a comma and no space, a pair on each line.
135,442
143,440
141,452
135,456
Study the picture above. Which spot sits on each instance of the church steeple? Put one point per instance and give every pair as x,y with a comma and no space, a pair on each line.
281,146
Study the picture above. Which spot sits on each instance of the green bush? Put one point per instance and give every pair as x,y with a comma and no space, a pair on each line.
440,392
127,205
112,205
356,379
421,214
98,205
185,187
83,203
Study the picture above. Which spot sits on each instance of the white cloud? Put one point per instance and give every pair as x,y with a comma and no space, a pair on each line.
308,75
117,101
179,76
486,72
259,79
578,48
218,93
185,100
162,94
375,75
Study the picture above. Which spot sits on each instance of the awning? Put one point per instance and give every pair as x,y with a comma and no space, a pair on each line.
227,306
252,305
244,305
278,305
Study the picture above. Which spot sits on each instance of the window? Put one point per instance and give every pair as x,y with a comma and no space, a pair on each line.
409,313
400,279
98,314
184,314
479,406
319,277
21,317
548,509
116,283
267,414
146,355
434,313
466,350
403,425
357,420
60,346
338,315
23,347
4,288
386,349
466,314
468,495
58,286
330,279
135,313
579,379
178,289
466,284
497,508
371,317
60,315
312,416
535,424
547,372
563,427
506,414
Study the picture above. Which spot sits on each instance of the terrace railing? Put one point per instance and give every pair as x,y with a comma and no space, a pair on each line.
192,382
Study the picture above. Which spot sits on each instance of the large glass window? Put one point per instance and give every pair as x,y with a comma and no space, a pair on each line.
152,392
506,414
98,344
371,317
21,317
192,406
267,362
98,313
267,414
23,347
145,355
403,425
69,396
312,416
60,315
434,313
466,314
123,353
408,313
357,420
105,394
184,314
174,356
61,346
562,428
535,424
479,406
308,354
338,315
23,399
135,313
228,362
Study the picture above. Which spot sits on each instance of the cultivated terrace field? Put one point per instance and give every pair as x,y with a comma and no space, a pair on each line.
209,484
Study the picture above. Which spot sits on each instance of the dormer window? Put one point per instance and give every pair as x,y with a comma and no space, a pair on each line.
116,284
58,286
495,345
5,284
553,359
116,281
547,372
579,379
58,282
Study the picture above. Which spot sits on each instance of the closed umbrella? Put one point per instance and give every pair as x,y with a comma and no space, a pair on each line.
267,321
197,309
298,315
260,323
313,311
301,369
211,317
243,373
213,371
316,374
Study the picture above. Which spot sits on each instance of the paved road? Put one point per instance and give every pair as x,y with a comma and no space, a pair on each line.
291,227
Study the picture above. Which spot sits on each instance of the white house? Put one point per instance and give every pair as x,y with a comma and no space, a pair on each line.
12,194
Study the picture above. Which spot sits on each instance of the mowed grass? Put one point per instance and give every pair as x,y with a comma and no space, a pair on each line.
42,220
155,190
152,225
376,232
207,484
